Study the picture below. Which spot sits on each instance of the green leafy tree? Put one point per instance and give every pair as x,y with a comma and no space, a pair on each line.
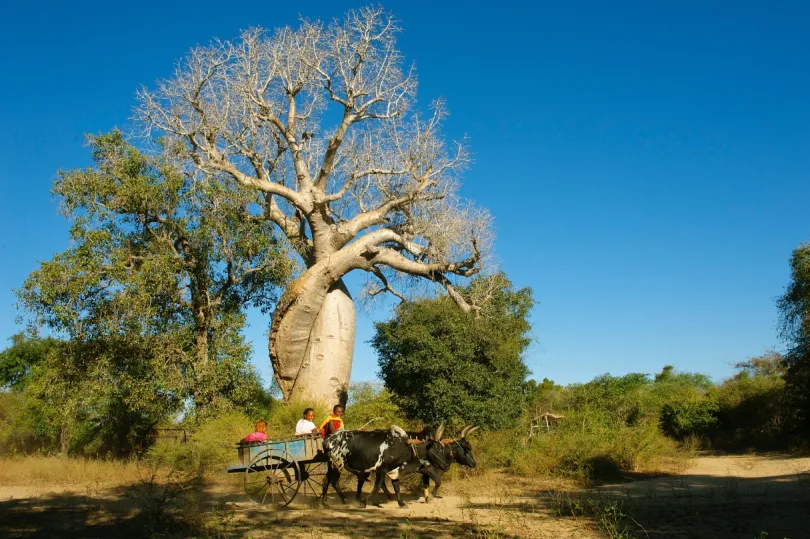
794,307
151,293
769,364
18,360
446,365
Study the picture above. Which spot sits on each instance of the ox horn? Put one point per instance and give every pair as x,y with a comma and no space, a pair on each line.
439,431
464,431
415,441
471,431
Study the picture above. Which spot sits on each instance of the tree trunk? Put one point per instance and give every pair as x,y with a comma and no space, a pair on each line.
201,343
327,365
312,338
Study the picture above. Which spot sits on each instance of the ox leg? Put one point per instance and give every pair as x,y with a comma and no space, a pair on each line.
361,479
395,482
429,473
438,481
426,486
378,481
332,478
387,492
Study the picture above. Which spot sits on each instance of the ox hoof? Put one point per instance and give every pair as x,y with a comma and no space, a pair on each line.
403,505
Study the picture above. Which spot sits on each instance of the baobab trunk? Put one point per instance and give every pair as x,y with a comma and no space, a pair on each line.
312,339
327,366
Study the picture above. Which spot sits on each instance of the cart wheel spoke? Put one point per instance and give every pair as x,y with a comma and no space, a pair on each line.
273,478
283,497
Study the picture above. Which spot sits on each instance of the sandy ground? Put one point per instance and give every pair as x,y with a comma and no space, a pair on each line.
763,496
718,496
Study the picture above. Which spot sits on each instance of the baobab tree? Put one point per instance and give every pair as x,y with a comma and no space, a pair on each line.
322,120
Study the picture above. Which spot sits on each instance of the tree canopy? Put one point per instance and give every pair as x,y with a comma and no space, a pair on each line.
322,121
446,365
149,297
17,362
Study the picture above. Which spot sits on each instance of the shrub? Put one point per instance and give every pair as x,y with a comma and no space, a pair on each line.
371,404
209,449
22,430
691,418
755,411
586,446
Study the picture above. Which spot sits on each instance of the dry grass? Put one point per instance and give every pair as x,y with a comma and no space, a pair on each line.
719,497
45,472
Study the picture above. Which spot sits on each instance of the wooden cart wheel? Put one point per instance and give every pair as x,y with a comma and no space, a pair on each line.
313,478
272,478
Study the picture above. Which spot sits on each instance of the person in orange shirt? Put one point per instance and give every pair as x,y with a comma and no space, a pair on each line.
333,422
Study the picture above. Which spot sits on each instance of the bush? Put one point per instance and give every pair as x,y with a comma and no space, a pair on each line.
371,404
693,418
210,448
22,430
755,411
586,448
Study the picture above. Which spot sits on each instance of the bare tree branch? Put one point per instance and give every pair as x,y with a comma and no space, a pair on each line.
322,119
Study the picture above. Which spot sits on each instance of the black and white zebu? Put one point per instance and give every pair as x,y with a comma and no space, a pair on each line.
394,453
436,456
383,452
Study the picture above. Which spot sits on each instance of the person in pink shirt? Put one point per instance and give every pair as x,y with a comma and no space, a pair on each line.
259,435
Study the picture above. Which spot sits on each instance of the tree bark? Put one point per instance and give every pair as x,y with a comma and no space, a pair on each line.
201,343
327,366
312,338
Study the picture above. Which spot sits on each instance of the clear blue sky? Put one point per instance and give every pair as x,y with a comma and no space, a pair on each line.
647,166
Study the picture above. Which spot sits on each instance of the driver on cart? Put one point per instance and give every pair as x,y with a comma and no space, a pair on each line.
333,422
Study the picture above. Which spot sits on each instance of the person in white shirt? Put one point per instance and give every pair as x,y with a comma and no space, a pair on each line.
305,425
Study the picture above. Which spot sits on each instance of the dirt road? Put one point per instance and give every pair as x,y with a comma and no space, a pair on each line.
731,496
717,496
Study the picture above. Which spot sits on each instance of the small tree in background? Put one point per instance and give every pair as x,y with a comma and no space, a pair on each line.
794,307
446,365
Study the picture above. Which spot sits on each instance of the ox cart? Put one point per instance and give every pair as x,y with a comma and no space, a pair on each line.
276,470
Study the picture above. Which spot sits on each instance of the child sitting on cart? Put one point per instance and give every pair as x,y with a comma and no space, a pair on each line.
305,425
259,435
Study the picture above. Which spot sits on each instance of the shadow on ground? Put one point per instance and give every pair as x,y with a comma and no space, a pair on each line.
700,506
73,515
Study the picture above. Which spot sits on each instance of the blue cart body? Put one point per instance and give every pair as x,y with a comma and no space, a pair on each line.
303,449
